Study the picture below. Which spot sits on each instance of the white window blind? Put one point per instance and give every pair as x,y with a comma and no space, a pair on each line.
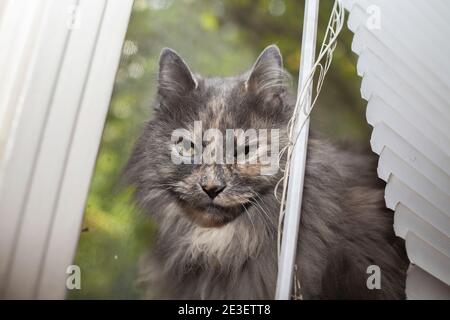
57,69
404,62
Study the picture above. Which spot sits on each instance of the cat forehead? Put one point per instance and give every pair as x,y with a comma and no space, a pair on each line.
219,89
218,103
216,112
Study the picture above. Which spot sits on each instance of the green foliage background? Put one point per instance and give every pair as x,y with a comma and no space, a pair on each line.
215,37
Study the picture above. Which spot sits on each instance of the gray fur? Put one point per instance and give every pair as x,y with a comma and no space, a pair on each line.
229,252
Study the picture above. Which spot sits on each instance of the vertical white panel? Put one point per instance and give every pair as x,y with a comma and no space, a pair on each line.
85,139
51,159
37,95
46,177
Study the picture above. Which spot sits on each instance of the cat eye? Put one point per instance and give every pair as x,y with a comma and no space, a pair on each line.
246,150
191,150
186,148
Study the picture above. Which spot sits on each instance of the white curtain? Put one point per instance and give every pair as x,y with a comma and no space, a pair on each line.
57,67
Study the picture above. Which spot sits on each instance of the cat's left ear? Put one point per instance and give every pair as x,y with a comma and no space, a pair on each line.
267,73
174,74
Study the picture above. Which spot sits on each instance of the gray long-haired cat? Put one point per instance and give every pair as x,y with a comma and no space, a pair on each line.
217,223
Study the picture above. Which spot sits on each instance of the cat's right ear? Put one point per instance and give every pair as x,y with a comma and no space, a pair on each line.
267,76
174,78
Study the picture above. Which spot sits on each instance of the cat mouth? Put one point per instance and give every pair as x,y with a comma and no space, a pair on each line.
214,215
218,208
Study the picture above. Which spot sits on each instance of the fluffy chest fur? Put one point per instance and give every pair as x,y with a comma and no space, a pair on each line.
190,261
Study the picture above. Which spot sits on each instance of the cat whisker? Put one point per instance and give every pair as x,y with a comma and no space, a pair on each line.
258,207
261,199
250,218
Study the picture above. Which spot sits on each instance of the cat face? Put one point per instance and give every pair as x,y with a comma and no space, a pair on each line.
221,173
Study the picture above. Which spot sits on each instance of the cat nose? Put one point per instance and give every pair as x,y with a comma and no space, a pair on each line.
213,190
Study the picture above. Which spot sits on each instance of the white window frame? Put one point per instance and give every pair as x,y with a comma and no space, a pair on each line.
58,73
